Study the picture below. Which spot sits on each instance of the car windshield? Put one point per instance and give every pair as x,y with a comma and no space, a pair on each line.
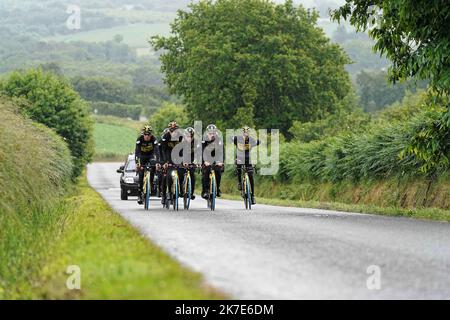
131,165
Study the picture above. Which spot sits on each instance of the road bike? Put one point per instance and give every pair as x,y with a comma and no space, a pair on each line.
157,184
187,185
212,194
175,191
147,185
246,189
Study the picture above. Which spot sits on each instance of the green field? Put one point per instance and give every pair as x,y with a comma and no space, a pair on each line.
135,35
113,141
140,16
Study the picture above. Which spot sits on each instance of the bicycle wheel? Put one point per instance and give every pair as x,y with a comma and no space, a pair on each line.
213,193
187,191
248,191
243,191
176,189
147,192
166,202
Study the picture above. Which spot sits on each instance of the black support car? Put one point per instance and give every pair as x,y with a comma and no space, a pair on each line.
129,181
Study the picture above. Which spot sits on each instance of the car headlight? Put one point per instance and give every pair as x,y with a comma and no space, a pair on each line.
129,180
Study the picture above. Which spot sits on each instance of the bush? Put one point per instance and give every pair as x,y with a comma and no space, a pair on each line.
329,126
52,101
431,141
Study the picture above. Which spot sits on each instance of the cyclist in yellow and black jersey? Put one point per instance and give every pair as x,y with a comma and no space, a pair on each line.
189,162
244,144
146,150
169,141
213,157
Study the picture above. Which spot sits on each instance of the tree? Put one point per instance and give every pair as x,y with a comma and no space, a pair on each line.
413,34
52,67
104,89
271,63
51,101
377,93
118,38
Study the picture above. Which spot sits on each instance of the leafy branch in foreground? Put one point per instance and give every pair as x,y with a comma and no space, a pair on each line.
413,34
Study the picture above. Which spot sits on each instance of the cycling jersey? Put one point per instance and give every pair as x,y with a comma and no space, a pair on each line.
244,145
146,150
209,148
167,145
193,146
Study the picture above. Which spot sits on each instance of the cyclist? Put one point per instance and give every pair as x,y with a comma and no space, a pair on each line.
189,143
170,140
244,145
145,151
212,143
159,172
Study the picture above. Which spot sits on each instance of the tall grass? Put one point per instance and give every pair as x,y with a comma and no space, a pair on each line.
35,169
378,153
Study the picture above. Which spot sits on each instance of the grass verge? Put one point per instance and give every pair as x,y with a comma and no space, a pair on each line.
262,190
116,262
425,213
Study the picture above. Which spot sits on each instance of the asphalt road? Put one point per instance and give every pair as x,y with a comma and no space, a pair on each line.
293,253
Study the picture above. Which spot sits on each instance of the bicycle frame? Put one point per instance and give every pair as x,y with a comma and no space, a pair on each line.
212,189
246,190
187,187
147,189
147,185
211,201
175,186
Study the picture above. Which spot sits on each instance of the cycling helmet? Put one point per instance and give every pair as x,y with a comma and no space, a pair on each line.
173,125
147,129
245,129
211,128
189,131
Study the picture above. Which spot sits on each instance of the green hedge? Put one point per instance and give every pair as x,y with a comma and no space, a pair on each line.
36,168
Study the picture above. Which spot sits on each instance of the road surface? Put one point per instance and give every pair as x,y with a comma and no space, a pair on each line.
293,253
